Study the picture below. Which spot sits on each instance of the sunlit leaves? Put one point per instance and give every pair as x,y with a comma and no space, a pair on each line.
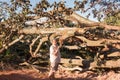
57,10
113,20
79,5
103,8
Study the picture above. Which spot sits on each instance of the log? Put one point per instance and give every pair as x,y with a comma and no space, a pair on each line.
110,27
71,69
101,42
90,64
83,21
31,45
71,61
35,30
5,46
113,54
87,23
39,45
74,47
43,39
90,42
106,64
29,65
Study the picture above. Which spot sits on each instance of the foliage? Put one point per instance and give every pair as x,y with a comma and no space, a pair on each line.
18,9
113,20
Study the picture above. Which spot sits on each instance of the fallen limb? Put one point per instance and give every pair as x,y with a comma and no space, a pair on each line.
71,69
39,45
72,47
31,45
35,30
5,46
87,23
29,65
83,21
105,64
112,54
92,64
72,61
101,42
43,39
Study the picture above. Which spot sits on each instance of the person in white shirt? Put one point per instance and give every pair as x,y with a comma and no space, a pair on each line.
55,57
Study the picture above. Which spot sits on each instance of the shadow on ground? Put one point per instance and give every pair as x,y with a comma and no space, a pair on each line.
15,76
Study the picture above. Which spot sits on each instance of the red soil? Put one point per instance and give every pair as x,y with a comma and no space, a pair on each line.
28,74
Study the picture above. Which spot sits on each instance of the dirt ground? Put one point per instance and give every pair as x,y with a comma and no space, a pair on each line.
28,74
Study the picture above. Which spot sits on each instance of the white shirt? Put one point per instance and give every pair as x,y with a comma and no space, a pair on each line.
53,57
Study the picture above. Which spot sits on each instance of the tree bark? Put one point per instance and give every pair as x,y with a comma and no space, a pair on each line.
67,32
31,45
5,46
101,42
91,65
87,23
35,30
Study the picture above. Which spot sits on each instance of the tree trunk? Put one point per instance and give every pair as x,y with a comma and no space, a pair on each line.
87,23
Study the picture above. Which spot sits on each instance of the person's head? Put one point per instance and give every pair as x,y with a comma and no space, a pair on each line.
54,42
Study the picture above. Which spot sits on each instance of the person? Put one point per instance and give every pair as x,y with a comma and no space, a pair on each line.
55,57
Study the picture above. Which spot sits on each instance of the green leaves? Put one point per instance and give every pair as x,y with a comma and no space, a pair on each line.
113,20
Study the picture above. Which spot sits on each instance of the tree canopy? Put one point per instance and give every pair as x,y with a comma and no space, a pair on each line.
97,8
